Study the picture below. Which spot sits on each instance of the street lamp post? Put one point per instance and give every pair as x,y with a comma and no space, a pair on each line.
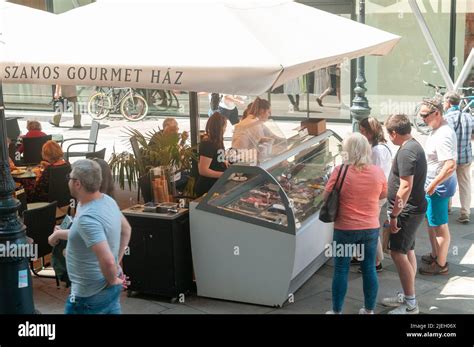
16,294
360,105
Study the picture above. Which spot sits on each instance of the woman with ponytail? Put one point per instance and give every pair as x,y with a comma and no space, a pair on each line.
251,129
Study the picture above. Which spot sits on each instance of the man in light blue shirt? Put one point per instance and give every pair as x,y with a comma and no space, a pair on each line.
93,245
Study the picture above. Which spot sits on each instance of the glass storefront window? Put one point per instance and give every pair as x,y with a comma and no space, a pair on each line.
395,82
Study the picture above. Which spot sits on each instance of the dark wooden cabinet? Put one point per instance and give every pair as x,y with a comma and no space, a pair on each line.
159,260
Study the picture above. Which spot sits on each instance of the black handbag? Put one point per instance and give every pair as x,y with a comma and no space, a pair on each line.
328,212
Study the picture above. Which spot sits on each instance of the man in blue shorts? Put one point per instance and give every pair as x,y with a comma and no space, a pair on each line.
441,157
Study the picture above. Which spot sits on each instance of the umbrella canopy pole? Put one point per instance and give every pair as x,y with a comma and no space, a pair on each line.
16,293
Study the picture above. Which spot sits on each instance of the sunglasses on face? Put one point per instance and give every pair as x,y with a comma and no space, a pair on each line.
426,115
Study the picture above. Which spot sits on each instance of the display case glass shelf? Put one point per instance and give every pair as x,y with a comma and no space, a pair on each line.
280,193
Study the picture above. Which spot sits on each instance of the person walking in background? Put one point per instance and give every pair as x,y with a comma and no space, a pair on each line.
69,94
228,107
463,124
322,84
440,186
214,101
93,245
407,206
293,87
382,157
357,223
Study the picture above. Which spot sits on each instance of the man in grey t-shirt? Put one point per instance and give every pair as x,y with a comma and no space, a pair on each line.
441,157
93,245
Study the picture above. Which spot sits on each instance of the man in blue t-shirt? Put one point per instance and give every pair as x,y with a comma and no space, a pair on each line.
93,245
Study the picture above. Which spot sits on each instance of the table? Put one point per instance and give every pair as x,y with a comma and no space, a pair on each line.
59,138
159,259
26,175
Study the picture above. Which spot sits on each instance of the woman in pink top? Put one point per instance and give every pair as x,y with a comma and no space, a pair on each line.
357,224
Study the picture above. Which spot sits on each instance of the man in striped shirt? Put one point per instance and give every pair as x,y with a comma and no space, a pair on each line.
463,124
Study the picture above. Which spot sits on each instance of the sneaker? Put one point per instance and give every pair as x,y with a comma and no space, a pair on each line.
405,309
378,268
434,269
463,219
364,311
320,102
428,258
332,312
394,301
355,261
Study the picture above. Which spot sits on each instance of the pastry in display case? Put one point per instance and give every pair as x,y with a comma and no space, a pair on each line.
272,209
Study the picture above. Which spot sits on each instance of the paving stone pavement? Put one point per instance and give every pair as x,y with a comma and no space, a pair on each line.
453,293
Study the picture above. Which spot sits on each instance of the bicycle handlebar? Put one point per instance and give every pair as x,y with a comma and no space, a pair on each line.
437,87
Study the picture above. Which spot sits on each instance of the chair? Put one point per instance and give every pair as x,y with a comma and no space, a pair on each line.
91,142
59,189
13,129
32,149
40,223
99,154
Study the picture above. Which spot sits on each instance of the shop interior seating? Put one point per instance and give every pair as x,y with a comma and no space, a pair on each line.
91,142
40,223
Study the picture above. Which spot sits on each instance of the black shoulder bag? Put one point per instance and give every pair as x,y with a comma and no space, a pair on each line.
328,212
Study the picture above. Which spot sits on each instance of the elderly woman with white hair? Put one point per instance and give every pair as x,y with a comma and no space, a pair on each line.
357,223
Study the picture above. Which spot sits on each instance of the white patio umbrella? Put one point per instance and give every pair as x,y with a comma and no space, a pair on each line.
244,47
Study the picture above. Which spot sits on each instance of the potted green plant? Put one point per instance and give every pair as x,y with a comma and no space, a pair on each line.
157,148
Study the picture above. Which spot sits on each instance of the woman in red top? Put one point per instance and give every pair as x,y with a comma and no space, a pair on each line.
34,130
356,227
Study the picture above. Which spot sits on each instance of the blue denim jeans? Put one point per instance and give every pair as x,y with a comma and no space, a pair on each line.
368,238
107,301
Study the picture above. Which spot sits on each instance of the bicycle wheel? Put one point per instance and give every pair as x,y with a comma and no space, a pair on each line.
99,106
134,108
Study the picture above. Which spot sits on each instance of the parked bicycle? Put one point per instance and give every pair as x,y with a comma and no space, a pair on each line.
132,105
467,101
162,99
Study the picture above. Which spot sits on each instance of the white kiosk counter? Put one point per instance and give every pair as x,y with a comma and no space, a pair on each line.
256,236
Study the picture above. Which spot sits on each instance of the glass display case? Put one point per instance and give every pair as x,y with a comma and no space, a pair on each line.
256,236
281,192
